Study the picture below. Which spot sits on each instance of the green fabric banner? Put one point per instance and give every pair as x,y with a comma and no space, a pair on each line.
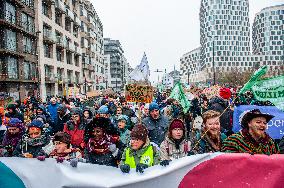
271,89
178,94
260,72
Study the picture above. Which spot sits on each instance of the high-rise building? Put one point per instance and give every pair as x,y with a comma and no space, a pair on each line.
268,36
70,47
224,29
18,49
117,67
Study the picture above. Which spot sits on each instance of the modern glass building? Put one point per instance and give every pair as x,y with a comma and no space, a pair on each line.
225,25
268,35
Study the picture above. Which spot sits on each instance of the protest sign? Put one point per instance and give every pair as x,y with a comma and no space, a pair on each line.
275,126
138,93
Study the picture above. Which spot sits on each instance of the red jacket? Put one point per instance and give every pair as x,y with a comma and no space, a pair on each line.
76,131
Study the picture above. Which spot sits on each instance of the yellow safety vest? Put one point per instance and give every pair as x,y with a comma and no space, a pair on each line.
147,158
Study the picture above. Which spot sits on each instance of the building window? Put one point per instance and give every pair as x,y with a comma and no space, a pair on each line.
58,18
28,45
29,3
10,40
59,55
47,50
27,23
12,68
29,70
45,9
10,13
69,58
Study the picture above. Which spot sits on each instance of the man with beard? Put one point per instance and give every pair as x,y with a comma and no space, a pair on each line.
210,139
252,138
156,124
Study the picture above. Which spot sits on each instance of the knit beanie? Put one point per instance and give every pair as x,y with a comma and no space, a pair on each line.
176,123
139,132
36,123
153,106
15,122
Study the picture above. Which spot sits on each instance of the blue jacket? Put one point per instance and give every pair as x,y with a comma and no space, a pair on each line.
52,109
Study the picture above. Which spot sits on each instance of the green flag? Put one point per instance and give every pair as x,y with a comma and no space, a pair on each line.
178,94
260,72
271,89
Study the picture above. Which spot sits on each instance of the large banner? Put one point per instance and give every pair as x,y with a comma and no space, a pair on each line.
139,93
204,170
275,126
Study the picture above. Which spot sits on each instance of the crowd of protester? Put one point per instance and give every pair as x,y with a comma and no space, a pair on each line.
108,130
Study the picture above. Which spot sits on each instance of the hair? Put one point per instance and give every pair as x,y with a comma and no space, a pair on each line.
210,114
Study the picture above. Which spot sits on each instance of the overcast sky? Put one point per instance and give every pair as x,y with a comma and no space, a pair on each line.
164,29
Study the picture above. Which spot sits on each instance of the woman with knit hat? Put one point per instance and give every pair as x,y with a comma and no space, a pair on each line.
175,145
140,154
14,133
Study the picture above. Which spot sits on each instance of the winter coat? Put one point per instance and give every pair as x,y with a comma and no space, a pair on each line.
97,152
32,146
124,136
52,109
203,144
76,132
243,142
61,121
157,128
137,154
10,142
168,150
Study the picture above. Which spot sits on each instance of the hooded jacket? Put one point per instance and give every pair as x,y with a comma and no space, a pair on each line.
15,113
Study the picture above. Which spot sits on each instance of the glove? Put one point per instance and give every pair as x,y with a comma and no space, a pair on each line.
165,162
140,167
60,159
41,158
125,168
190,153
74,162
112,148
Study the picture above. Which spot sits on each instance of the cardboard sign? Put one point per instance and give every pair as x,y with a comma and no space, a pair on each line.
139,93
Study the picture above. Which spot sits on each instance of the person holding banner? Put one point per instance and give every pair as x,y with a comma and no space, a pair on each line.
210,139
252,138
140,154
175,145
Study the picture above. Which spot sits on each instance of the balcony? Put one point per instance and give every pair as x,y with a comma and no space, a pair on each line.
70,14
60,6
61,41
70,47
77,21
49,77
49,36
77,50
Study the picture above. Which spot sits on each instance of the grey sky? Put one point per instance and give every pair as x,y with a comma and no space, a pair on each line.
164,29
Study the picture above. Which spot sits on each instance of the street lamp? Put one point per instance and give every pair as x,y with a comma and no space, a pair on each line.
214,72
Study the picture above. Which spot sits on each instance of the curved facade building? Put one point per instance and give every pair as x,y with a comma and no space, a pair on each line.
268,35
226,24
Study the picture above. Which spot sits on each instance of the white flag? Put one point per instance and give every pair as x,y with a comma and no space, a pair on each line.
142,71
137,75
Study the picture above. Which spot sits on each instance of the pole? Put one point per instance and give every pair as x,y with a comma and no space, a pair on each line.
187,76
85,86
214,75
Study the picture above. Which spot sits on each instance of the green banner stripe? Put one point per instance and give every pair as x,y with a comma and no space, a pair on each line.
9,179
